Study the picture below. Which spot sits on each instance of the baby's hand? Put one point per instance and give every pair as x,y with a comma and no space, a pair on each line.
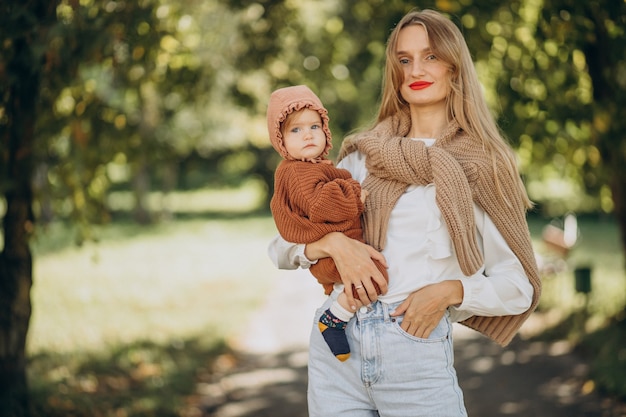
364,194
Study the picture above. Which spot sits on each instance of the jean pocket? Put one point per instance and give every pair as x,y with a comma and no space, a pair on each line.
440,333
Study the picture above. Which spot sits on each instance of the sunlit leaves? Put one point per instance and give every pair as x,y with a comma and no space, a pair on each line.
109,63
65,103
549,62
165,80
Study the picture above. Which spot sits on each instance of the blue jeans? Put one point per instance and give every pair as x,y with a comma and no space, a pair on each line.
389,373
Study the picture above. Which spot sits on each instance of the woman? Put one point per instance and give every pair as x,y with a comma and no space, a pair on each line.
446,209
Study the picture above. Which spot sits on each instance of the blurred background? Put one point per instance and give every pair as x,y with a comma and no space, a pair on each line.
136,173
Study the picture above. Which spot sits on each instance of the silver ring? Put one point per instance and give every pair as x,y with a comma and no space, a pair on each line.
359,286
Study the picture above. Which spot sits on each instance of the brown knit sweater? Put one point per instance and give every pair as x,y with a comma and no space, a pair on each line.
313,199
461,171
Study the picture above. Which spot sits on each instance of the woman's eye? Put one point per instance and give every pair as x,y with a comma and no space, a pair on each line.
431,57
404,61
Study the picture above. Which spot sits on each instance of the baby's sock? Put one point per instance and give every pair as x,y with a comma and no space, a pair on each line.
332,324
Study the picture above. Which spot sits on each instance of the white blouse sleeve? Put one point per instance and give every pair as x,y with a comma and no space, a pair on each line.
501,287
287,255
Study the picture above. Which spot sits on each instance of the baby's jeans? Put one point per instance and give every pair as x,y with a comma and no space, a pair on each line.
389,373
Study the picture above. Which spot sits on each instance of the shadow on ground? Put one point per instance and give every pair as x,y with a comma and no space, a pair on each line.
268,377
259,386
527,379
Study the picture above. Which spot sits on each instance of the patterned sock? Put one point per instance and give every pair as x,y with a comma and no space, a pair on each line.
334,332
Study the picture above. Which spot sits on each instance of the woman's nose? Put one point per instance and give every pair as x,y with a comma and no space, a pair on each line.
417,68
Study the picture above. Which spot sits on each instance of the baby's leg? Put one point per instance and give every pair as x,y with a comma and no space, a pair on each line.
333,324
342,300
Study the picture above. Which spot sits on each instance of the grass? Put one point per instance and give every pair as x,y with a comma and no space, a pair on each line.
594,322
127,327
174,281
599,248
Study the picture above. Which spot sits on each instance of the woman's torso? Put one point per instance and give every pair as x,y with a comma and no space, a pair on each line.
418,248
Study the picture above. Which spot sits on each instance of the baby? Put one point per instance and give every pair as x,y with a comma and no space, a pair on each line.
312,197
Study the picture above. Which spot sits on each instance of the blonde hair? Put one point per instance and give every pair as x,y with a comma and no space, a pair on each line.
466,103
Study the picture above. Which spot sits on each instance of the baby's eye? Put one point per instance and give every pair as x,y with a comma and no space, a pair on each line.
316,127
295,130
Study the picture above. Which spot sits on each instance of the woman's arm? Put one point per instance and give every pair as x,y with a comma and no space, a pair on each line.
287,255
500,288
354,263
352,258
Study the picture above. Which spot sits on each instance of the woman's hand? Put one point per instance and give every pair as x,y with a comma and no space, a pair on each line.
424,309
354,263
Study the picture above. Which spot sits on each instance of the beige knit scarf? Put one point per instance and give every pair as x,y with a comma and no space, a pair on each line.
461,171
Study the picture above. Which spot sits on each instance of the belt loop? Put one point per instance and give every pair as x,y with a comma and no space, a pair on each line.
386,312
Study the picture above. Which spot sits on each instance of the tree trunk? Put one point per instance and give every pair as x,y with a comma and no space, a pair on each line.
604,57
141,189
15,307
619,202
170,179
15,259
21,80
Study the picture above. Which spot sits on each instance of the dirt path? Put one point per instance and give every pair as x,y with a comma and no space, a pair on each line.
268,377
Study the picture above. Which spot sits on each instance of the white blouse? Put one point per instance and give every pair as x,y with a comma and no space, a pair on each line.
419,252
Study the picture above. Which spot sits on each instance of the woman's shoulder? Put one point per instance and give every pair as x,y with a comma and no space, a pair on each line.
354,162
353,157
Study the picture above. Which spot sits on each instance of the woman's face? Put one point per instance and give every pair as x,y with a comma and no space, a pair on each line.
426,81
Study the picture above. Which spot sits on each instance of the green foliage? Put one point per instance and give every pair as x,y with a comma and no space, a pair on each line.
553,66
114,72
133,90
538,63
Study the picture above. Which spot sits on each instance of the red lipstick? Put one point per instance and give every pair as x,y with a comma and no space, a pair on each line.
420,85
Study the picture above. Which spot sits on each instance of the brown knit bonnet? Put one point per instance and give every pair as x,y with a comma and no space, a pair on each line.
285,101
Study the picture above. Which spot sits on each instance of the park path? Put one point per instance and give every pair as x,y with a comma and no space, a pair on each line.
267,375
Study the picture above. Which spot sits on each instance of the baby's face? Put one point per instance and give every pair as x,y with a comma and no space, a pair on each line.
303,135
